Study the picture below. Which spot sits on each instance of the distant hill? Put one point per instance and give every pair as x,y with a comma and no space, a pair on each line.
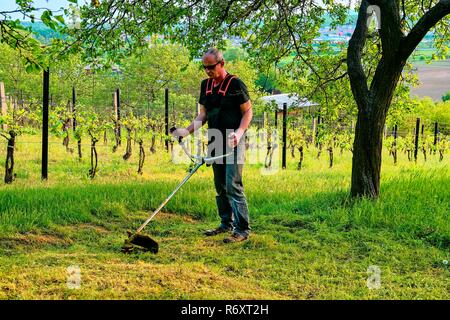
351,19
44,33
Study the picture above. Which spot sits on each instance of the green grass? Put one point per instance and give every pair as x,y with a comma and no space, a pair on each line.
309,239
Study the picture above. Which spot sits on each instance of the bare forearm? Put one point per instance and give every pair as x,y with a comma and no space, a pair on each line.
200,119
245,121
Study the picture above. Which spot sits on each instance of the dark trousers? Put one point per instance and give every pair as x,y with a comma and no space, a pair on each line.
230,199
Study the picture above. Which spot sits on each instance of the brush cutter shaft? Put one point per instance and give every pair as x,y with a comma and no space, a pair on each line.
170,196
200,161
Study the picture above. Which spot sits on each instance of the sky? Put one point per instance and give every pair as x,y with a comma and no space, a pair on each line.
7,5
51,4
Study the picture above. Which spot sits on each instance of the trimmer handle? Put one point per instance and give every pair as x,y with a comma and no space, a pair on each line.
198,158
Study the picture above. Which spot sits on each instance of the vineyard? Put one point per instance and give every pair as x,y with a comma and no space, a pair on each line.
347,183
305,229
83,134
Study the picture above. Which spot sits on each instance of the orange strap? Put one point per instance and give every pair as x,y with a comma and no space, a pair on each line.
226,82
209,86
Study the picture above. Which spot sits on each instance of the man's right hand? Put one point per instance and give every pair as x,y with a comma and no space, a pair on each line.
180,132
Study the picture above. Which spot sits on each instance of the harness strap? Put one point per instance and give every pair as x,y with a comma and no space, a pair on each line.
226,82
209,86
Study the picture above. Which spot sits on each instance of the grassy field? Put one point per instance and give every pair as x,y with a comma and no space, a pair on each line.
309,239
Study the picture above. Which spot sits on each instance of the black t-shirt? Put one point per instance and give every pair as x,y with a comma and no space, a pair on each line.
223,112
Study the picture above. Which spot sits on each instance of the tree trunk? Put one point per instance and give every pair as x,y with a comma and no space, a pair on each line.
9,164
366,163
373,101
372,111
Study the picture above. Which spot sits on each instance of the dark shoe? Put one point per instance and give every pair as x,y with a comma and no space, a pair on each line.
235,237
213,232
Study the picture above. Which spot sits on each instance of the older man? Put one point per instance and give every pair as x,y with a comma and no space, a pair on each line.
225,105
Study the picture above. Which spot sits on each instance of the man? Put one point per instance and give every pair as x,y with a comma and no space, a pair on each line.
225,104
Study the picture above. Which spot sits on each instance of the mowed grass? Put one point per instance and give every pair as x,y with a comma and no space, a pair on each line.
309,239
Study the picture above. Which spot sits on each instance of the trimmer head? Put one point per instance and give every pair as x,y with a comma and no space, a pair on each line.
141,240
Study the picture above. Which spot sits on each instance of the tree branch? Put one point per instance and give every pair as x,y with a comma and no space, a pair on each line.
390,29
419,31
356,44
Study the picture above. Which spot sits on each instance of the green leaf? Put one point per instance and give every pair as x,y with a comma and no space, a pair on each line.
29,68
46,17
60,18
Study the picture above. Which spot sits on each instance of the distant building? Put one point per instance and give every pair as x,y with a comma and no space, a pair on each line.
293,101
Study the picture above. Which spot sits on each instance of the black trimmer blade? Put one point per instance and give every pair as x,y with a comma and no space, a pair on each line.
140,240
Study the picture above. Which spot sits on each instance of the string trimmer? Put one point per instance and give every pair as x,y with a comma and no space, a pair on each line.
146,242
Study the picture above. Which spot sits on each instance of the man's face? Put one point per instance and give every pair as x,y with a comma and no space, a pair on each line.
215,67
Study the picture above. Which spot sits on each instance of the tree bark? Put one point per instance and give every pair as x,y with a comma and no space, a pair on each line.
366,162
372,111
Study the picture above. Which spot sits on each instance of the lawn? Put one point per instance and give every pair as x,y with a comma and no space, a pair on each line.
309,239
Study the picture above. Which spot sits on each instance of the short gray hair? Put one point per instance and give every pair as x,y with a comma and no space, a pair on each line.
215,52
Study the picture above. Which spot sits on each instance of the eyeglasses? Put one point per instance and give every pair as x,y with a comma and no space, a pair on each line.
211,67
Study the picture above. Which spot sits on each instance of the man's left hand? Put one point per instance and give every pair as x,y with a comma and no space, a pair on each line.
234,138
